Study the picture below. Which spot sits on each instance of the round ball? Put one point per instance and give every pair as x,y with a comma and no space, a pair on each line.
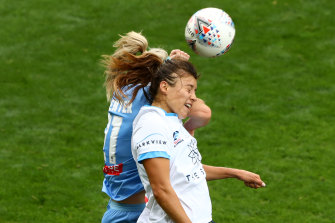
210,32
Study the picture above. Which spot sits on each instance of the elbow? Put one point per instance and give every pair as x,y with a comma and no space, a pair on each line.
161,192
203,115
206,114
202,110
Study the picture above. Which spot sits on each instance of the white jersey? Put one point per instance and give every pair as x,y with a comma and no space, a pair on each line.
160,134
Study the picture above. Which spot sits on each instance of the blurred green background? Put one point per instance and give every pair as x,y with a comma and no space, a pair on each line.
272,97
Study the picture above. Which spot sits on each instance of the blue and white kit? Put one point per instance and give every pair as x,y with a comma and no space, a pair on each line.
120,171
160,134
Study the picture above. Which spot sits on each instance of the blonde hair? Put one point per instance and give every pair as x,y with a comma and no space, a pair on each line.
131,64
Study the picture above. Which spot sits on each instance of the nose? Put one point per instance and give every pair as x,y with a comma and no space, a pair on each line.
193,97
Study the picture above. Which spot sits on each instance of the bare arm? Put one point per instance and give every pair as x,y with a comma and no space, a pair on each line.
158,171
200,116
250,179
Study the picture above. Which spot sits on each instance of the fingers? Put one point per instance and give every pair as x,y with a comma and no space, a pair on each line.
178,54
255,182
251,185
254,185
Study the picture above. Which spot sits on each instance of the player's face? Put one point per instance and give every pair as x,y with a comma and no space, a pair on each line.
180,97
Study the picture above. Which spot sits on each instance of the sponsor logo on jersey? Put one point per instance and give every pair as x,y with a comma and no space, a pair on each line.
113,170
195,157
197,174
176,138
194,152
151,142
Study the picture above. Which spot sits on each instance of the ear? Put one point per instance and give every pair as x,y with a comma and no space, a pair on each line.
164,86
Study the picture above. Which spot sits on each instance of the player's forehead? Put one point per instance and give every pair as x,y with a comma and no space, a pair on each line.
187,80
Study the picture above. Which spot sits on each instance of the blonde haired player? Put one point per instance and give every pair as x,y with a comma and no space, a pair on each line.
127,85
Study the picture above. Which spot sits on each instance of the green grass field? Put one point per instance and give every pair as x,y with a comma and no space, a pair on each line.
272,97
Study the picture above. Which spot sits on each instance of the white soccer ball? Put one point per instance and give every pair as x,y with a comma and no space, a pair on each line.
210,32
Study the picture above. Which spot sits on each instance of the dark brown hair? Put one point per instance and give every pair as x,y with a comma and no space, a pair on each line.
166,72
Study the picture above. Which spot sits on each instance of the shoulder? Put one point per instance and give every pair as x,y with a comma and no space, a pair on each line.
150,115
151,136
123,107
149,122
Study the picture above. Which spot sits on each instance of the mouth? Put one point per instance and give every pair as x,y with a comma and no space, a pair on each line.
189,106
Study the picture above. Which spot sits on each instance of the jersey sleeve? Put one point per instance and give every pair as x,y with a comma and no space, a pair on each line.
150,138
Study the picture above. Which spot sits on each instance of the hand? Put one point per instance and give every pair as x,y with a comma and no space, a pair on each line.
180,55
251,179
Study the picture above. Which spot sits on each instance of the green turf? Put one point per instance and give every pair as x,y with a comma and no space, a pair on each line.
272,96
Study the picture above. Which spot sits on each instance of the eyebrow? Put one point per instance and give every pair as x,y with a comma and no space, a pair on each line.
192,86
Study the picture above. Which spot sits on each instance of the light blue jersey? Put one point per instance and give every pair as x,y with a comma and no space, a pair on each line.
120,171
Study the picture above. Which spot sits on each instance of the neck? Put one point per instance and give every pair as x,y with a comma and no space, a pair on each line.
161,105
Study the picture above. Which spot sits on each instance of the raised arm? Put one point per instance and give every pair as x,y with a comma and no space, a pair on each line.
158,171
250,179
200,116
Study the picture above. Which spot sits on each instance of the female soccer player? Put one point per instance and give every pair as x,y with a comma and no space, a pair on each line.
167,156
127,85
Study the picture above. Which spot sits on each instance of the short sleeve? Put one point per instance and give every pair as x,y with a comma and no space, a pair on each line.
153,154
150,138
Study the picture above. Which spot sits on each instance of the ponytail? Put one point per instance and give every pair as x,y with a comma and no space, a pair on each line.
131,65
132,43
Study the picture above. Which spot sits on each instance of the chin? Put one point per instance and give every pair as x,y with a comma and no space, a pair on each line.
182,116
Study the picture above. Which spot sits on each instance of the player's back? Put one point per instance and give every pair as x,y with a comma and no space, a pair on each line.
121,176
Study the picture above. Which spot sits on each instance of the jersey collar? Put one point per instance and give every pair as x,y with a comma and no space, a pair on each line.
167,114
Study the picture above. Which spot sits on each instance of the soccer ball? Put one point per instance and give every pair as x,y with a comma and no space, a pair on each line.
210,32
